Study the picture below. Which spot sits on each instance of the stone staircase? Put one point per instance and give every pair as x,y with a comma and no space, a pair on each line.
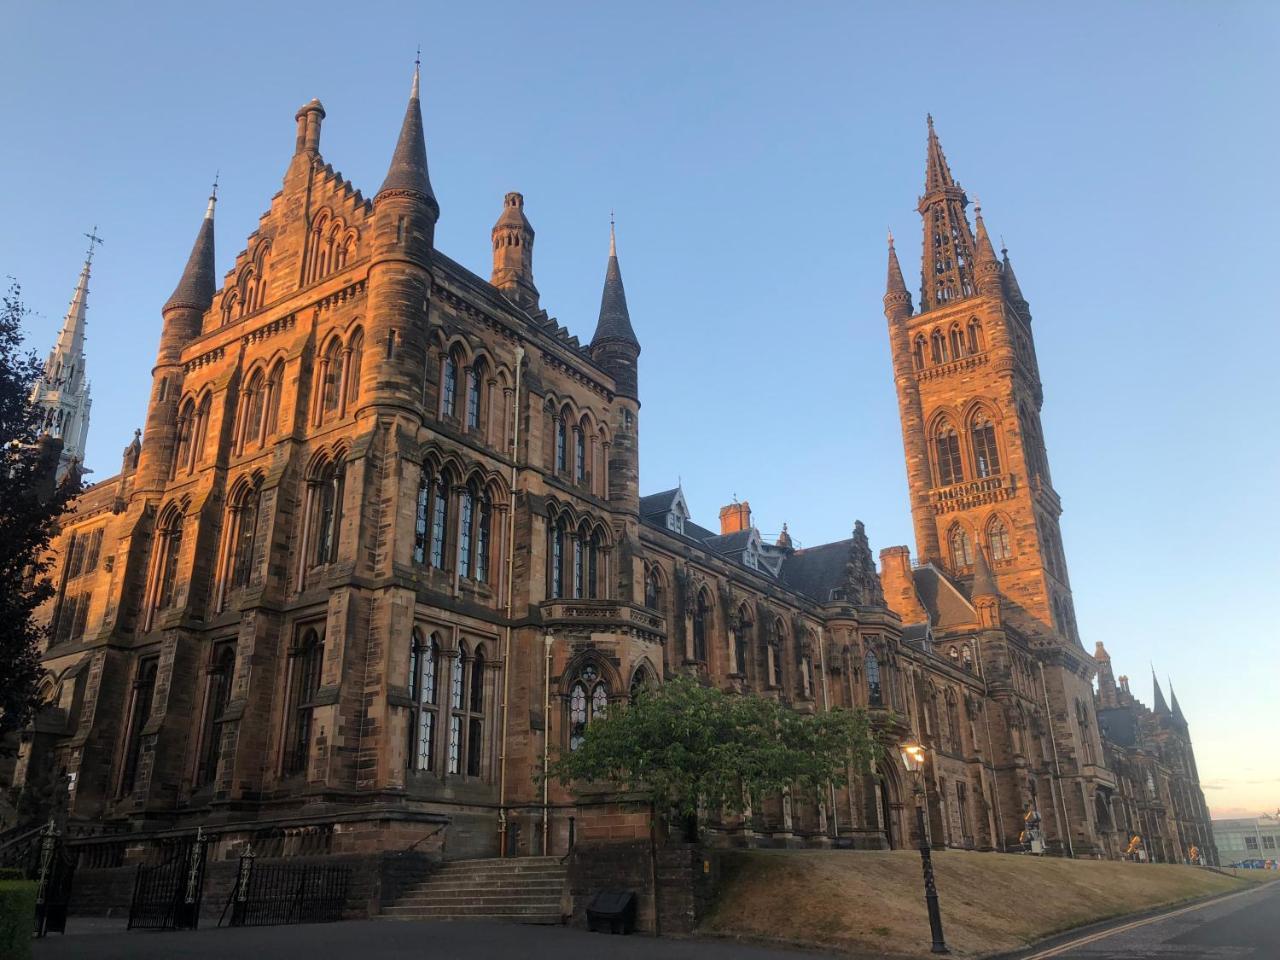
517,889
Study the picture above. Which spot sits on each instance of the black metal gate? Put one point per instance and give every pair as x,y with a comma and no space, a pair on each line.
268,894
56,871
167,896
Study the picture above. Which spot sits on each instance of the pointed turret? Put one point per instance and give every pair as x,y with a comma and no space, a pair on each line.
614,345
897,298
1176,708
1012,292
408,171
946,271
984,582
1161,708
986,268
512,238
197,286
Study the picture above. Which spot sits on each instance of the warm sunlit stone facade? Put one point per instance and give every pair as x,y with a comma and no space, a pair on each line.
316,600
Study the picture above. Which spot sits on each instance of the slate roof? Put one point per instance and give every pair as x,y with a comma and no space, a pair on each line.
816,571
408,170
728,542
658,503
615,320
946,605
197,286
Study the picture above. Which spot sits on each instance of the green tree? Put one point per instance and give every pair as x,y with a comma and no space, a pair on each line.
687,745
30,506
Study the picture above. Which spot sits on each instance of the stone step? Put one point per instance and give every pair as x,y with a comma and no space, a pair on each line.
539,913
494,870
466,900
506,889
533,919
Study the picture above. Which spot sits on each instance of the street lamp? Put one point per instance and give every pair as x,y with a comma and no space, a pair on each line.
913,755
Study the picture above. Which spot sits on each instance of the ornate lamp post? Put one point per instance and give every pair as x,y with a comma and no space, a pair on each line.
913,759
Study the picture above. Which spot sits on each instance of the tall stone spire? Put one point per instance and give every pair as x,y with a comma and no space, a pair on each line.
1177,710
197,286
408,171
986,267
63,389
946,271
895,288
614,345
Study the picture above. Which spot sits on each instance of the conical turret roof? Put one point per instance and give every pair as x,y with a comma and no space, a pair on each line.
1161,707
408,170
895,286
197,286
615,320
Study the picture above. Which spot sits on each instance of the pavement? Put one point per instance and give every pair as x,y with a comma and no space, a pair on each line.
1240,926
381,940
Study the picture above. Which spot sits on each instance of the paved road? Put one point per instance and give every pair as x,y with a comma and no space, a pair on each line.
383,940
1241,927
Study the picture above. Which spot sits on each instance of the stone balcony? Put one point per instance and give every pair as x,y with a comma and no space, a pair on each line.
974,493
604,616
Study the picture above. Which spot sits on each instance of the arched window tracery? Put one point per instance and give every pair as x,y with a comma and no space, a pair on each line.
938,347
308,660
217,695
957,342
947,454
424,673
701,614
588,700
871,667
961,548
986,452
998,538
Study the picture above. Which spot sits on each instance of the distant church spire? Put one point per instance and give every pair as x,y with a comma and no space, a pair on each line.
946,270
408,170
63,389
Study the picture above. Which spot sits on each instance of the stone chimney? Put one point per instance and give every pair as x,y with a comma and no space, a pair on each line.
735,517
899,586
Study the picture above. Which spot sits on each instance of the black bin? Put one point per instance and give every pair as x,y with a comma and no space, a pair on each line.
612,910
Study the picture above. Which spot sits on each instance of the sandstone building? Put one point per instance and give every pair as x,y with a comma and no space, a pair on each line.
382,545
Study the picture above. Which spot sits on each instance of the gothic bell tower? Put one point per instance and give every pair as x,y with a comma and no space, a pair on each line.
969,396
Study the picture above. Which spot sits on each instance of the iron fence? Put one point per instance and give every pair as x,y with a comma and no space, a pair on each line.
167,896
270,894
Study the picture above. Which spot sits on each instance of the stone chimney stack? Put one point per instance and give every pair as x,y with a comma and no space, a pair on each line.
899,586
735,517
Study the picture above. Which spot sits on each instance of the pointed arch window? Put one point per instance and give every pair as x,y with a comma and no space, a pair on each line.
557,535
986,453
741,630
331,373
957,342
144,687
484,527
580,452
701,613
947,451
998,538
217,696
424,670
255,397
977,343
917,352
579,562
355,360
244,534
938,345
641,681
272,399
326,493
304,684
588,700
449,386
466,518
475,393
871,666
652,589
562,443
168,554
439,519
475,714
774,654
961,548
954,740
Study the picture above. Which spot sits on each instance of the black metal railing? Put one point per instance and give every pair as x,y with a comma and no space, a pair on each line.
167,896
271,894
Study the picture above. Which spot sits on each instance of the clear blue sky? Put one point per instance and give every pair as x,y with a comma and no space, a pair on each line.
755,154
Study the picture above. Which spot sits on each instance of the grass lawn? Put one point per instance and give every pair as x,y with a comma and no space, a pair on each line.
873,902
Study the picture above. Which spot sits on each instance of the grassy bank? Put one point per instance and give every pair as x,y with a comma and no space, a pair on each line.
873,903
